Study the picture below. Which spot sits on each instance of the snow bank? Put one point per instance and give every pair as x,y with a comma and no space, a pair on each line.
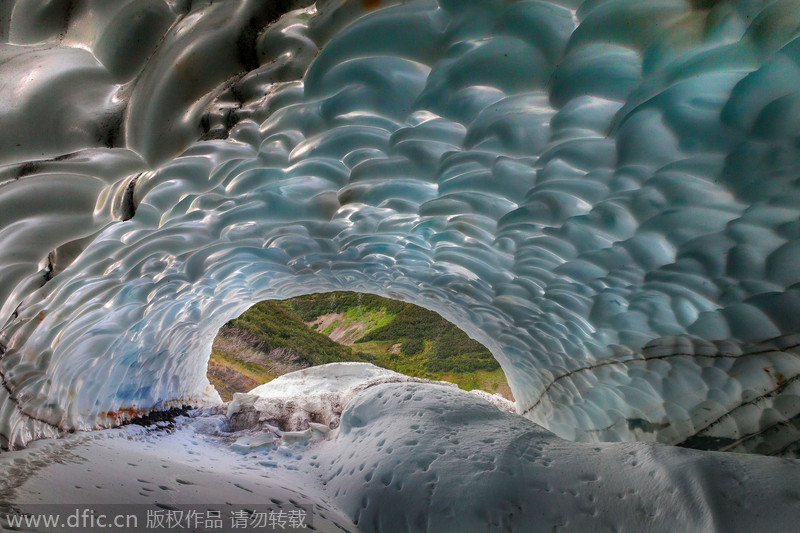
312,398
423,457
412,456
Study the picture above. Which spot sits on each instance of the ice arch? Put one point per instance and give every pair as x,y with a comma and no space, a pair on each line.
603,193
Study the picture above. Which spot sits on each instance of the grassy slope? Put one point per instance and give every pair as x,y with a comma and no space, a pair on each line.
349,326
442,346
267,327
395,335
309,307
274,326
386,354
230,375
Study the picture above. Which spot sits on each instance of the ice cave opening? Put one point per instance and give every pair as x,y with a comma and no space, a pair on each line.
604,193
608,204
277,337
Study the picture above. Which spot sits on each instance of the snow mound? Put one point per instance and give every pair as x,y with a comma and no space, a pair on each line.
312,398
414,456
422,457
496,400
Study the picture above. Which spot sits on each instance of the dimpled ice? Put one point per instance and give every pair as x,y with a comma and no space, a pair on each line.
603,193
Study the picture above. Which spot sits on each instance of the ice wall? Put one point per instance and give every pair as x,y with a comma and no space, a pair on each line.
605,194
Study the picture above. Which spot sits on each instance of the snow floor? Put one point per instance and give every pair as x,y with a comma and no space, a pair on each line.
135,466
407,456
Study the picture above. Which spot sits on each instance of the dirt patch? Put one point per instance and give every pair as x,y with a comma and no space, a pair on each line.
504,390
345,330
227,380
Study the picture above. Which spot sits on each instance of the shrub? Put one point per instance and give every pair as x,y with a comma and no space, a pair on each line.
412,345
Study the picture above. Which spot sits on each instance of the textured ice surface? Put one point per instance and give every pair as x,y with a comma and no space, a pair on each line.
422,457
603,193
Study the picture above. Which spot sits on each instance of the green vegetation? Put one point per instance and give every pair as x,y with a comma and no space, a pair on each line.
452,349
229,375
355,322
270,326
388,333
253,371
312,306
371,318
412,345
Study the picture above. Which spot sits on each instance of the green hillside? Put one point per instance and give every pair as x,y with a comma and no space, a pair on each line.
271,325
447,348
276,337
311,306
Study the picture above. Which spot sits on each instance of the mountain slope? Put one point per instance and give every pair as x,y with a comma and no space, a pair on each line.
273,338
271,327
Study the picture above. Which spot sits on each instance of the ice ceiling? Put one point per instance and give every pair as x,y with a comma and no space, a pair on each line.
606,195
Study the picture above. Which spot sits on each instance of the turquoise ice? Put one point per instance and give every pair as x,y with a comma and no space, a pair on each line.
604,193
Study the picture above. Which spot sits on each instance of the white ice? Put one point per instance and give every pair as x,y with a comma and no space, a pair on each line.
414,456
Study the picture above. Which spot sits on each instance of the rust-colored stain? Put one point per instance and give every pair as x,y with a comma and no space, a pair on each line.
108,419
778,377
370,4
40,316
123,414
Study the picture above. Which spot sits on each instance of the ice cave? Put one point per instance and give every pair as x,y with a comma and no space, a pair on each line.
605,193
